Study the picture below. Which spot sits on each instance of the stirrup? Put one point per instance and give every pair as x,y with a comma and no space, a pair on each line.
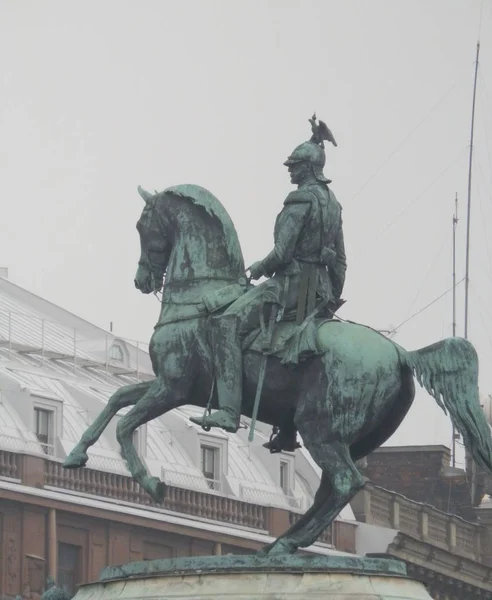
207,421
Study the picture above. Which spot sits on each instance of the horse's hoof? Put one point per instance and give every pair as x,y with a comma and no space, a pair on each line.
75,460
262,552
278,547
156,489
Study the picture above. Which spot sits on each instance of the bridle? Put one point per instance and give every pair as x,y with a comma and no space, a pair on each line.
157,272
147,264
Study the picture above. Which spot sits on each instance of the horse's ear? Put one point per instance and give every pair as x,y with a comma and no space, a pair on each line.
147,196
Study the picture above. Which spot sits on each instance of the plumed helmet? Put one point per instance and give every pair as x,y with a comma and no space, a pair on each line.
313,151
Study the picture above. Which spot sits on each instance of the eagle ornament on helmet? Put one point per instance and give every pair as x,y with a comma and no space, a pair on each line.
313,151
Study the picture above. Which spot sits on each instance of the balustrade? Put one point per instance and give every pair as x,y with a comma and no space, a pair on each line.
380,506
421,521
9,464
121,487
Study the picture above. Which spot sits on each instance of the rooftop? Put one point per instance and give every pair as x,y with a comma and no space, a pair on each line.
57,372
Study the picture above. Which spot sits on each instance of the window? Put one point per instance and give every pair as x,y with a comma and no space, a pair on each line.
44,423
210,466
69,567
116,353
284,476
136,440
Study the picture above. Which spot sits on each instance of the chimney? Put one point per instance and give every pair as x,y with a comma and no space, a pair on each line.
4,272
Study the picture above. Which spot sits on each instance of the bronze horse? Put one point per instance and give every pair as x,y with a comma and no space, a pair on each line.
346,401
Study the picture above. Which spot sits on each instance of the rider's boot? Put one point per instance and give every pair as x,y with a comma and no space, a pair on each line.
228,363
284,440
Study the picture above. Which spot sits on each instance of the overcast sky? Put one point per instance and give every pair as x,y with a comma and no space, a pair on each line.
98,97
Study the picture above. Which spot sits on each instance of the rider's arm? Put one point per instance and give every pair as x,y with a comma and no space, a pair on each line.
287,229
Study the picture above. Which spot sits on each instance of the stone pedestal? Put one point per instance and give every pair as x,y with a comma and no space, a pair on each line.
256,578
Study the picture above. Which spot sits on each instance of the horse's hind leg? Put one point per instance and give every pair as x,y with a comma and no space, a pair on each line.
338,467
125,396
323,492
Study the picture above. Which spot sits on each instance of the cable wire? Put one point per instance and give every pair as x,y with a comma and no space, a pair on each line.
413,201
405,139
429,270
395,329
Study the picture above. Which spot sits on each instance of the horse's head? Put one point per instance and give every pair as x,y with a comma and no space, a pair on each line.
187,236
155,246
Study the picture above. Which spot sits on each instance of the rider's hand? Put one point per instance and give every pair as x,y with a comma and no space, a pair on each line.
256,270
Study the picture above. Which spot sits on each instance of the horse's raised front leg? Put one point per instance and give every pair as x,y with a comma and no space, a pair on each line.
337,466
125,396
159,399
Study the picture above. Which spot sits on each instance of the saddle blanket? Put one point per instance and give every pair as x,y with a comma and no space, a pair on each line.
292,343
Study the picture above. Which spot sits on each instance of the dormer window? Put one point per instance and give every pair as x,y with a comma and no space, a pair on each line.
44,428
139,440
116,353
284,477
136,440
47,422
210,458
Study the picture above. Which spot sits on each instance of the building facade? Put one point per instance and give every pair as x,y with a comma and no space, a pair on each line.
413,510
53,522
223,494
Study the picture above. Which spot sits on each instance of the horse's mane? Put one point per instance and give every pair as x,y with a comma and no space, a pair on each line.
201,197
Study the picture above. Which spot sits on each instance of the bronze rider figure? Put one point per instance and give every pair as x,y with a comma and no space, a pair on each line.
306,267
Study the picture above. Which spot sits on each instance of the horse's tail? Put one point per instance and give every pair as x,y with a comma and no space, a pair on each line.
448,370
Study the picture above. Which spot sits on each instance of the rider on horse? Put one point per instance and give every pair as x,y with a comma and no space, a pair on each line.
305,268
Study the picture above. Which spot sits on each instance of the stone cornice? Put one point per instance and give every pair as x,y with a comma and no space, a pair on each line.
442,567
375,505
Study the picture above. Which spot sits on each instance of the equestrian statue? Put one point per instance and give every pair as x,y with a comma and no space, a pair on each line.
277,351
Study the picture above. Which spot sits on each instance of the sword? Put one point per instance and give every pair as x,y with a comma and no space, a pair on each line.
261,376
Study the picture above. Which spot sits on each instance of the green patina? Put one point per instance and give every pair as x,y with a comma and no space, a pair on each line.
53,592
208,565
343,386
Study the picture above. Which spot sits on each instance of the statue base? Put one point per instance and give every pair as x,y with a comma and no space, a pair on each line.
257,578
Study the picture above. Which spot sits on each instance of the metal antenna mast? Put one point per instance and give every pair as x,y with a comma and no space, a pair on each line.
467,259
455,223
468,212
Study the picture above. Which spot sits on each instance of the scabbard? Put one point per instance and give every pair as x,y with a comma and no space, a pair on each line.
307,292
302,297
311,292
261,376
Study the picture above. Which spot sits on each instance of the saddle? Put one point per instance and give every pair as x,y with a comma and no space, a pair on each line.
290,342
